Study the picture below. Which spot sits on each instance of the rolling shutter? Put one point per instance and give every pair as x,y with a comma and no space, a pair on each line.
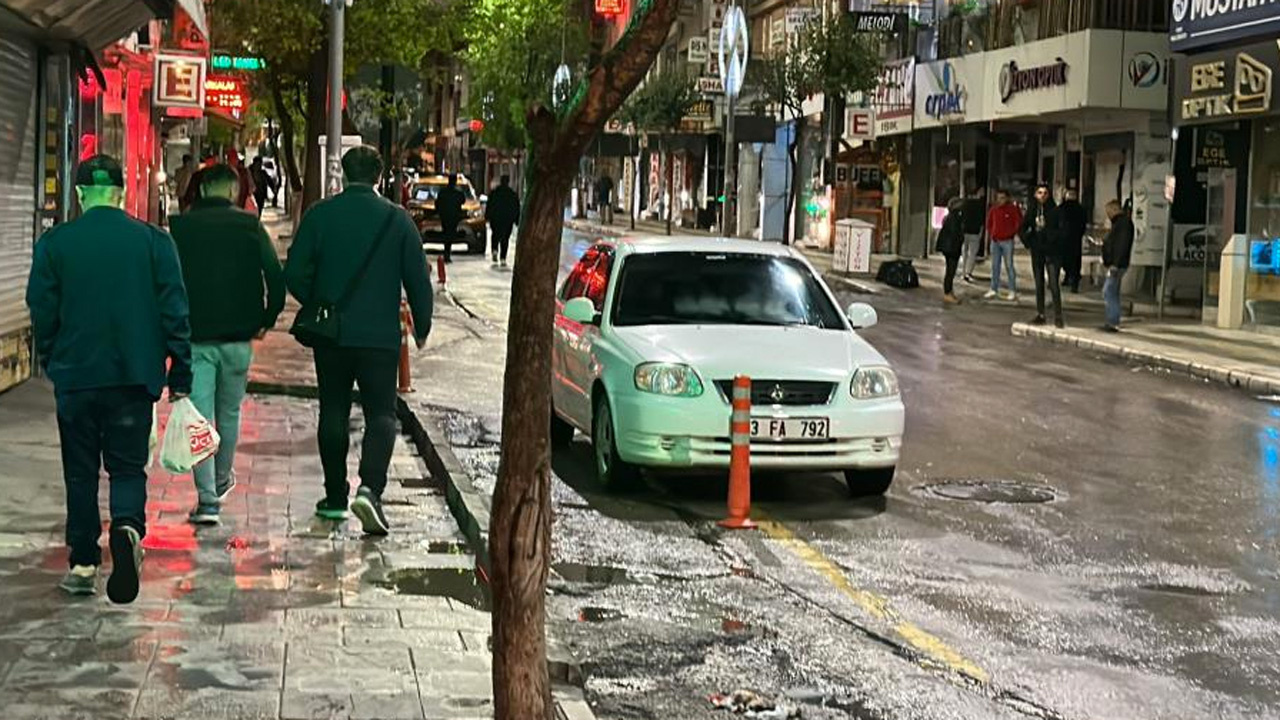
17,204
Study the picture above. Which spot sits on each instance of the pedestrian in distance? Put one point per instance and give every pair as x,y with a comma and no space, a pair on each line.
192,191
109,310
1042,234
604,198
1075,221
950,244
503,212
263,183
449,202
182,180
1004,219
974,211
1117,248
235,287
352,255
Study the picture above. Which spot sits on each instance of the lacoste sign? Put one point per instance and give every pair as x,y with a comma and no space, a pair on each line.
1014,79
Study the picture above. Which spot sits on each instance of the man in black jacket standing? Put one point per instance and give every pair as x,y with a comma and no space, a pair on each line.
236,290
1075,221
334,240
1116,250
1042,234
108,309
449,202
503,212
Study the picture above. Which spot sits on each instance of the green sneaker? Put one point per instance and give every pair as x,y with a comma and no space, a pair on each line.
331,511
80,580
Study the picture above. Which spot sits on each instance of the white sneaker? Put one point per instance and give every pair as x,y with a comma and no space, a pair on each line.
989,294
1011,297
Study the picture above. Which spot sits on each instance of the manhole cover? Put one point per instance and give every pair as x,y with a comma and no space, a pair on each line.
992,491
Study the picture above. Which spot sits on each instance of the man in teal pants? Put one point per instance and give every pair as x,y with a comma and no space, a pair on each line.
236,289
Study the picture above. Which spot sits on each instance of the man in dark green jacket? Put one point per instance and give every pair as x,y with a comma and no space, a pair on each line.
236,289
332,243
108,309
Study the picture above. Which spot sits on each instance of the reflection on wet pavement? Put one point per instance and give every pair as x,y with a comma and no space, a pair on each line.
273,614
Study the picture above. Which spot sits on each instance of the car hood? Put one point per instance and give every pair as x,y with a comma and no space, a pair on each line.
719,352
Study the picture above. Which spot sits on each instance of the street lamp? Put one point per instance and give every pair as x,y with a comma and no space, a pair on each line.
333,146
734,49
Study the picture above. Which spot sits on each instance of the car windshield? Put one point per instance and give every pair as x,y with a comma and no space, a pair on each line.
428,191
687,288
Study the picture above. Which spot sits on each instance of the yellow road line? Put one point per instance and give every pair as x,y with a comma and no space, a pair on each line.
878,607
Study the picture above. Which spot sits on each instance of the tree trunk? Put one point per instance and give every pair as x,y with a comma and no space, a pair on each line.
317,91
289,133
520,526
793,193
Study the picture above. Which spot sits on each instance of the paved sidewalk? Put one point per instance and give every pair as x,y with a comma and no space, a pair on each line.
1246,360
275,614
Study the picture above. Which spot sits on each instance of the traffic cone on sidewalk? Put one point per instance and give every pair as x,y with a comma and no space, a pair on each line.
405,383
440,272
740,458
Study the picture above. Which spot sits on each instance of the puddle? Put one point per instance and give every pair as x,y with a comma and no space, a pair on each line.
446,547
593,574
992,491
455,584
599,614
420,483
1185,590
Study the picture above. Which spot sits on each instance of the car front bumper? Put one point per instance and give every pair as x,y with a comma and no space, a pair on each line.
693,433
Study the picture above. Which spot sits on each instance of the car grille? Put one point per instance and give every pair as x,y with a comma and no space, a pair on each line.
783,392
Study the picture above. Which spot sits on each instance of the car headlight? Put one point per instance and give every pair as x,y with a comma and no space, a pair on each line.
873,382
668,379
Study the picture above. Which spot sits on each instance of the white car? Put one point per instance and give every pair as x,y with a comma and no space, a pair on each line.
650,334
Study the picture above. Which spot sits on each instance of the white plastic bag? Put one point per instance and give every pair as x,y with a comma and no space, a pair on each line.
189,439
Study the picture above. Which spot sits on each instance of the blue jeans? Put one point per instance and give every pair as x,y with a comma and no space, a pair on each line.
220,373
108,427
1002,252
1111,294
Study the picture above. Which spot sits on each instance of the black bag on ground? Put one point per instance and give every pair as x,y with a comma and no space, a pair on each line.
317,324
899,274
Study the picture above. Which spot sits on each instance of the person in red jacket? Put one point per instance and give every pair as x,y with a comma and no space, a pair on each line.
1003,220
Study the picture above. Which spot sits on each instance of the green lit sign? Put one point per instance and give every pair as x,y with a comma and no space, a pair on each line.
233,62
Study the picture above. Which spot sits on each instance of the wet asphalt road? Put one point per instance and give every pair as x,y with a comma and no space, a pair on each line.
1148,587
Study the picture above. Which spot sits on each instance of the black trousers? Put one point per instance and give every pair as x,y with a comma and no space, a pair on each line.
374,371
1046,267
449,233
1071,262
949,280
108,427
501,240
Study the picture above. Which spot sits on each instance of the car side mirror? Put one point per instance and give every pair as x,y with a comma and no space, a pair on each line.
582,311
862,316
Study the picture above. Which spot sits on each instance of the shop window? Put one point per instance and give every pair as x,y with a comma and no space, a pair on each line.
1262,288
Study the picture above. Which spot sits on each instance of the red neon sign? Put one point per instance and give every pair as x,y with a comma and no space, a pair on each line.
226,94
610,8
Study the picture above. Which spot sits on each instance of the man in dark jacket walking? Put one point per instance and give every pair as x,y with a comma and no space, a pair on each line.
108,309
1042,234
1116,251
236,290
333,241
263,183
503,212
951,240
1075,221
449,202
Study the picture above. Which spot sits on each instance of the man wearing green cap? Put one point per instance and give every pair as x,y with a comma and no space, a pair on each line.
108,309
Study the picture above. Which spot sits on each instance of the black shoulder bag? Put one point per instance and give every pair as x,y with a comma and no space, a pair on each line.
317,323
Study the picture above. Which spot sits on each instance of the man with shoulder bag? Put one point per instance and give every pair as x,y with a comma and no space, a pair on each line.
352,255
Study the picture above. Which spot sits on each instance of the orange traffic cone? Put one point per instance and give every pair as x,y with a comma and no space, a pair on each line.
740,458
440,274
405,384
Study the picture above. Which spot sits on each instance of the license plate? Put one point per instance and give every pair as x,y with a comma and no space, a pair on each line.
791,428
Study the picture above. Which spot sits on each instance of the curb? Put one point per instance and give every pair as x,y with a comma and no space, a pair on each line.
1235,378
590,228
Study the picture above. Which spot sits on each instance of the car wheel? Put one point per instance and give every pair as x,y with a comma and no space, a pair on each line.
561,431
612,472
869,483
475,241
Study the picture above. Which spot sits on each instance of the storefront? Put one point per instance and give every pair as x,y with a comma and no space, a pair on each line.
1228,112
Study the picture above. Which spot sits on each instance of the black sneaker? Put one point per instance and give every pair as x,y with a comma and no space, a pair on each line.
126,559
80,580
331,510
368,507
1110,329
1059,323
1038,320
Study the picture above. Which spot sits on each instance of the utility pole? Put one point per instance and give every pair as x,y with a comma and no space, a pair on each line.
734,52
337,21
387,135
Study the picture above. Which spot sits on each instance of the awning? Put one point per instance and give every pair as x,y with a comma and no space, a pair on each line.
92,23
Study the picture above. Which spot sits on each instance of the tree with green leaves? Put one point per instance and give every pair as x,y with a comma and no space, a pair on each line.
831,58
659,108
523,38
292,37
